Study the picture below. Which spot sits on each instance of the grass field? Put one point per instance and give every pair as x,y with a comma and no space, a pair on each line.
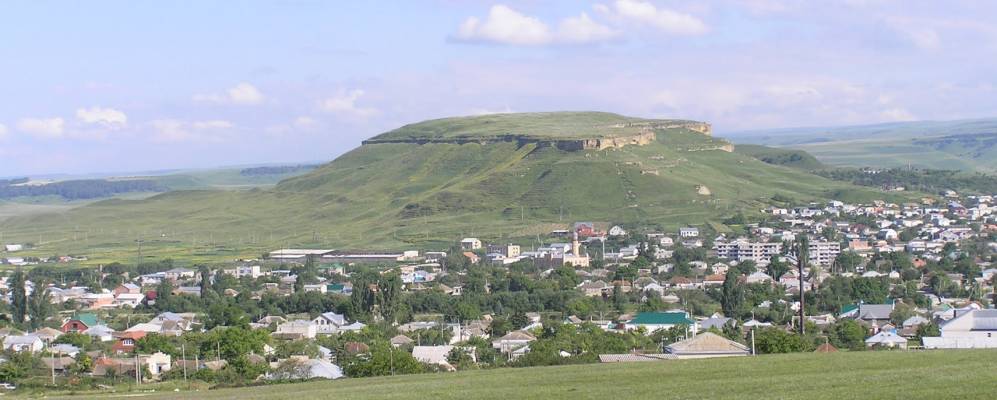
966,374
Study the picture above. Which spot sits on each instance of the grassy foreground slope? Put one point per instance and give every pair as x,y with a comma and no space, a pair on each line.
836,376
400,195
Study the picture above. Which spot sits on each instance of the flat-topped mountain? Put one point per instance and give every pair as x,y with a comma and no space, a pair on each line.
430,183
566,130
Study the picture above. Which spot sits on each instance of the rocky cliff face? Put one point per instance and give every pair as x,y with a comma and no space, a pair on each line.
646,135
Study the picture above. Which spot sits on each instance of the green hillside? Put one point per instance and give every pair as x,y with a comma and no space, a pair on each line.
401,195
969,145
798,159
960,374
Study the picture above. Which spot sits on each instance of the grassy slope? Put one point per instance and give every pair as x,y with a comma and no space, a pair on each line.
966,144
786,157
393,196
836,376
548,124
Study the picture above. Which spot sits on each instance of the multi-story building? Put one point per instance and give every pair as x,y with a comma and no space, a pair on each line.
824,253
743,250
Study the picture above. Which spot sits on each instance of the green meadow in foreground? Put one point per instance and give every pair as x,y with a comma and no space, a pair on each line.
967,374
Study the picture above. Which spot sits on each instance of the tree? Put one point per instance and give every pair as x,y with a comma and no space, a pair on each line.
518,320
39,305
731,295
205,280
19,299
776,268
83,364
776,340
154,342
381,360
848,334
928,330
74,338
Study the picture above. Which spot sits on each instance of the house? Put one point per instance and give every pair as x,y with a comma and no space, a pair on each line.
888,339
18,343
878,314
401,340
100,333
297,329
177,274
79,323
436,355
64,349
472,258
47,335
616,230
10,248
653,321
513,341
470,244
707,345
329,323
973,329
129,299
126,341
307,368
716,322
129,288
759,277
688,232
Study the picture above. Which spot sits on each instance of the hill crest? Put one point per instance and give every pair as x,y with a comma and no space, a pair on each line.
566,130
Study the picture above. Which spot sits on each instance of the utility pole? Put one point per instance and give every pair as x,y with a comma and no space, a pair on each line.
183,355
803,256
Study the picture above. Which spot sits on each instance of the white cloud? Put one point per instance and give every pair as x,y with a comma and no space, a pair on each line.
42,127
345,104
106,117
582,29
241,94
663,19
172,130
504,25
507,26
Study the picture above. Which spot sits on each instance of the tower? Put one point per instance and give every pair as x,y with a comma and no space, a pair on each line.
575,246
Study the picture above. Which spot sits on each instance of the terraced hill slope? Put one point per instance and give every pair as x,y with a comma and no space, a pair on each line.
401,195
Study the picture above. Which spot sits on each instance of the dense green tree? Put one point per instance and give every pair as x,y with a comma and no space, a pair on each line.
19,298
847,334
775,340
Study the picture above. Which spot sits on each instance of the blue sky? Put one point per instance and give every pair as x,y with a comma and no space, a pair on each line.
127,86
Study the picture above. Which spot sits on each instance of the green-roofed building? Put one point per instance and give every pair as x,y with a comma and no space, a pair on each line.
653,321
80,323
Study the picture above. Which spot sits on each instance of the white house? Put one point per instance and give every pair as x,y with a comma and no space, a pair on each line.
972,329
470,243
297,329
328,323
18,343
887,339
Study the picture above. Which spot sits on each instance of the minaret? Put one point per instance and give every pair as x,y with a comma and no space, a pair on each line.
575,246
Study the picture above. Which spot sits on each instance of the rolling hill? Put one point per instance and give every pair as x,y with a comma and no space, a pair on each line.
969,145
509,176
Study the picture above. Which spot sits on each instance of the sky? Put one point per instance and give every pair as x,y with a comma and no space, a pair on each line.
115,86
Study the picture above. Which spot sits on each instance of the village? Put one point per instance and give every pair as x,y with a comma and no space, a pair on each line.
877,276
